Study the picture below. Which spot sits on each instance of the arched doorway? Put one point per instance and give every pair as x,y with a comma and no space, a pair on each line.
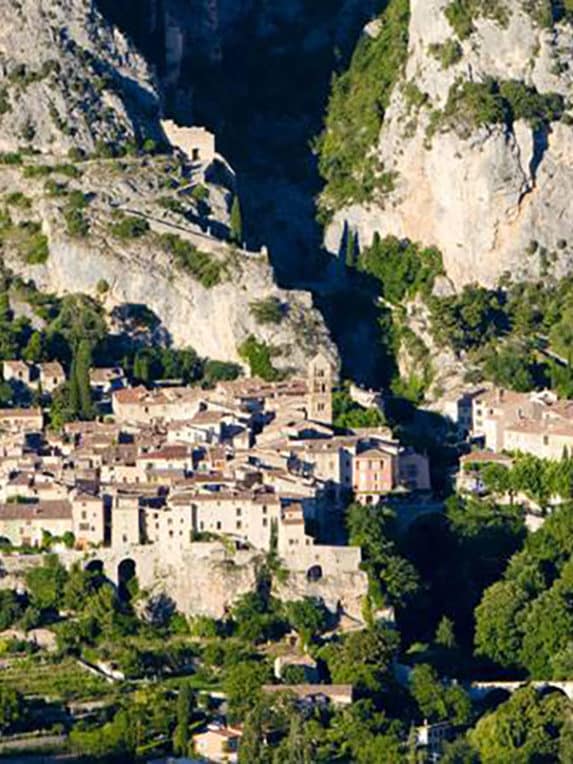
314,573
126,579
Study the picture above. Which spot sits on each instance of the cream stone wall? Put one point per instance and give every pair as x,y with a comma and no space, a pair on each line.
196,142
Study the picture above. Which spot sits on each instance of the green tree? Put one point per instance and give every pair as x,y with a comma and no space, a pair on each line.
445,636
46,583
11,708
10,608
363,658
34,350
350,249
525,729
308,617
436,701
253,748
81,371
391,577
460,751
236,233
498,623
243,687
185,705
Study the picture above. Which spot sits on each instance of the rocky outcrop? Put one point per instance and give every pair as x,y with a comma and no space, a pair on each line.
214,318
74,86
495,198
69,80
205,578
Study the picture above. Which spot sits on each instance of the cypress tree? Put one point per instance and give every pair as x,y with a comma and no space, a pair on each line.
82,363
74,394
185,703
350,249
236,222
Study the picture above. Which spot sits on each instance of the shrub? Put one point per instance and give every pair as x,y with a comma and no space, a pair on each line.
76,223
129,227
448,53
18,199
474,104
10,157
356,108
258,355
69,170
267,311
462,13
216,371
5,105
202,266
200,193
36,170
75,154
402,267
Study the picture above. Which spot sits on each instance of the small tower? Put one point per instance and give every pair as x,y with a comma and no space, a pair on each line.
319,395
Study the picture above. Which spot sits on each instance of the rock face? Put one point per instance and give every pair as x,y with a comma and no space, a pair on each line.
214,319
494,198
205,579
68,79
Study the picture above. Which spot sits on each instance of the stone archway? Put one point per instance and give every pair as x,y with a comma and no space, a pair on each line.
126,574
314,573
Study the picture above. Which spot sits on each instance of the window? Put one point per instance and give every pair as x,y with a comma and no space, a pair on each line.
238,512
218,525
546,440
239,524
264,510
265,522
84,515
201,525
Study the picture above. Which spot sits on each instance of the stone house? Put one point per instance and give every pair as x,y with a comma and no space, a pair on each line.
244,516
21,420
535,423
315,694
136,405
51,376
104,380
375,473
218,744
89,522
24,523
18,371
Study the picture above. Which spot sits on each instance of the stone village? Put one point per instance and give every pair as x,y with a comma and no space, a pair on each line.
188,488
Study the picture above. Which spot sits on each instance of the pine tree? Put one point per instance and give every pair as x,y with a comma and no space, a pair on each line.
185,703
236,222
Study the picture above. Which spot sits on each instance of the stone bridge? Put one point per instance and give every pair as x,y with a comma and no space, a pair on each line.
480,690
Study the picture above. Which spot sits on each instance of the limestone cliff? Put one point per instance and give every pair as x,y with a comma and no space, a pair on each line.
69,80
475,150
77,105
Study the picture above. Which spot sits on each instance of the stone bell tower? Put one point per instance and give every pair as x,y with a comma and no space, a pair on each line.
319,395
